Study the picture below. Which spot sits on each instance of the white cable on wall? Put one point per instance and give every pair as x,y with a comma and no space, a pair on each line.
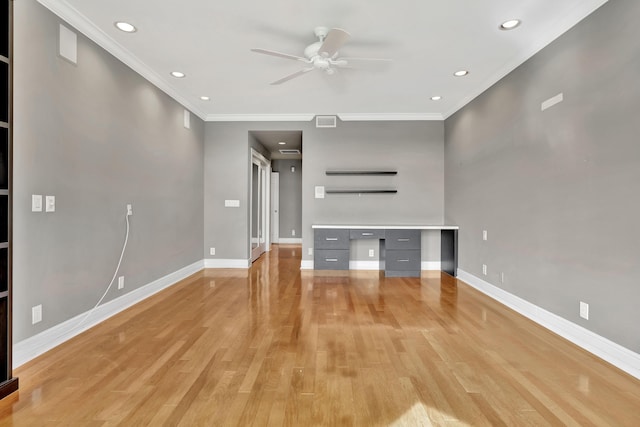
115,274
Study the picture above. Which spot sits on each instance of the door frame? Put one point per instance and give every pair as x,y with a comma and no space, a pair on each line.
264,178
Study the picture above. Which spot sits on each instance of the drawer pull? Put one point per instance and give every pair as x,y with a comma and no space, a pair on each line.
331,238
367,234
403,260
403,240
331,259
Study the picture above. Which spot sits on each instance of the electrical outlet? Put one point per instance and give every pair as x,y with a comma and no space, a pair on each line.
484,234
120,282
36,314
484,269
584,310
129,210
310,251
293,232
371,253
212,251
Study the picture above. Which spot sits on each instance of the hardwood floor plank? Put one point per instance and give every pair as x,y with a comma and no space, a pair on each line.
276,346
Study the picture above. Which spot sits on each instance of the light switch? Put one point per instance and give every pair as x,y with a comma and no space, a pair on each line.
232,203
319,192
50,202
36,203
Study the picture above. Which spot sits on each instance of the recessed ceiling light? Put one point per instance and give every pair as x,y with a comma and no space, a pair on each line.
461,73
125,26
510,24
282,143
178,74
436,98
205,98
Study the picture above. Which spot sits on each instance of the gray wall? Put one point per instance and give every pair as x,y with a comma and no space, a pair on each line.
97,136
415,149
290,209
557,190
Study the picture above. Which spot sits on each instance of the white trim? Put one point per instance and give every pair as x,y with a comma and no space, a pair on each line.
430,265
306,264
259,117
613,353
290,241
226,263
36,345
76,19
375,117
364,265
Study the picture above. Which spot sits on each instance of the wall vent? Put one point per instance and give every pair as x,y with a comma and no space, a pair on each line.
289,151
326,121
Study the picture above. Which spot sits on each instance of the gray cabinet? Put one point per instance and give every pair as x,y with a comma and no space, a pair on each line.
402,255
331,249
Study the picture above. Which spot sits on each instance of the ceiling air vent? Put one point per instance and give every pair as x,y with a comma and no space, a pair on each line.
289,151
326,121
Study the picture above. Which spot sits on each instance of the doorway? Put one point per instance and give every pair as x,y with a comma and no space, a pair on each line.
259,206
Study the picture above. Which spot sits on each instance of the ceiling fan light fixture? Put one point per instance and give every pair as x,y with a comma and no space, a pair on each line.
178,74
510,24
125,27
461,73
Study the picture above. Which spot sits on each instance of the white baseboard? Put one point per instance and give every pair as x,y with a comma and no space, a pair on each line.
364,265
613,353
430,265
290,241
226,263
34,346
371,265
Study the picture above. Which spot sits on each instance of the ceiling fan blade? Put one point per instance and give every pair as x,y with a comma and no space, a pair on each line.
280,54
292,76
334,41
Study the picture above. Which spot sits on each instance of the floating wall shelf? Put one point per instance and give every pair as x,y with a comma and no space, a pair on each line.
360,191
361,172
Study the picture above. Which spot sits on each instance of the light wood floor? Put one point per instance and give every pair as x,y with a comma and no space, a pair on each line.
276,346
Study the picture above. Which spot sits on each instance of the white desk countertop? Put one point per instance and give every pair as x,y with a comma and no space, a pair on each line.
388,227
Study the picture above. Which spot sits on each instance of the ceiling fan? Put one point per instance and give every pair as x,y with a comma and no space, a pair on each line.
323,54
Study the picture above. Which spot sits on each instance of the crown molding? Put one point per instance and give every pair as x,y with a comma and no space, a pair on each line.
259,117
82,24
345,117
552,32
396,117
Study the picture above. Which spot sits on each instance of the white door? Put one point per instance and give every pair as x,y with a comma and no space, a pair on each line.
275,206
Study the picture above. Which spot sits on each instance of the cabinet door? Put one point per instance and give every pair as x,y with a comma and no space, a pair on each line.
331,259
361,233
403,239
329,238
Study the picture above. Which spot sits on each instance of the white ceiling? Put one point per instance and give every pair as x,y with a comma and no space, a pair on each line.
210,41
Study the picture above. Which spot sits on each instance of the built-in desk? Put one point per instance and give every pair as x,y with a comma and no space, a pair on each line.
400,247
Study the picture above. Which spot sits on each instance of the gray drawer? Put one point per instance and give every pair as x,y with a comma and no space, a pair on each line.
366,234
331,259
403,239
329,238
402,260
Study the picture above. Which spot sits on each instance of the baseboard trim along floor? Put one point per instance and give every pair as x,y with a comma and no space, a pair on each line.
36,345
617,355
